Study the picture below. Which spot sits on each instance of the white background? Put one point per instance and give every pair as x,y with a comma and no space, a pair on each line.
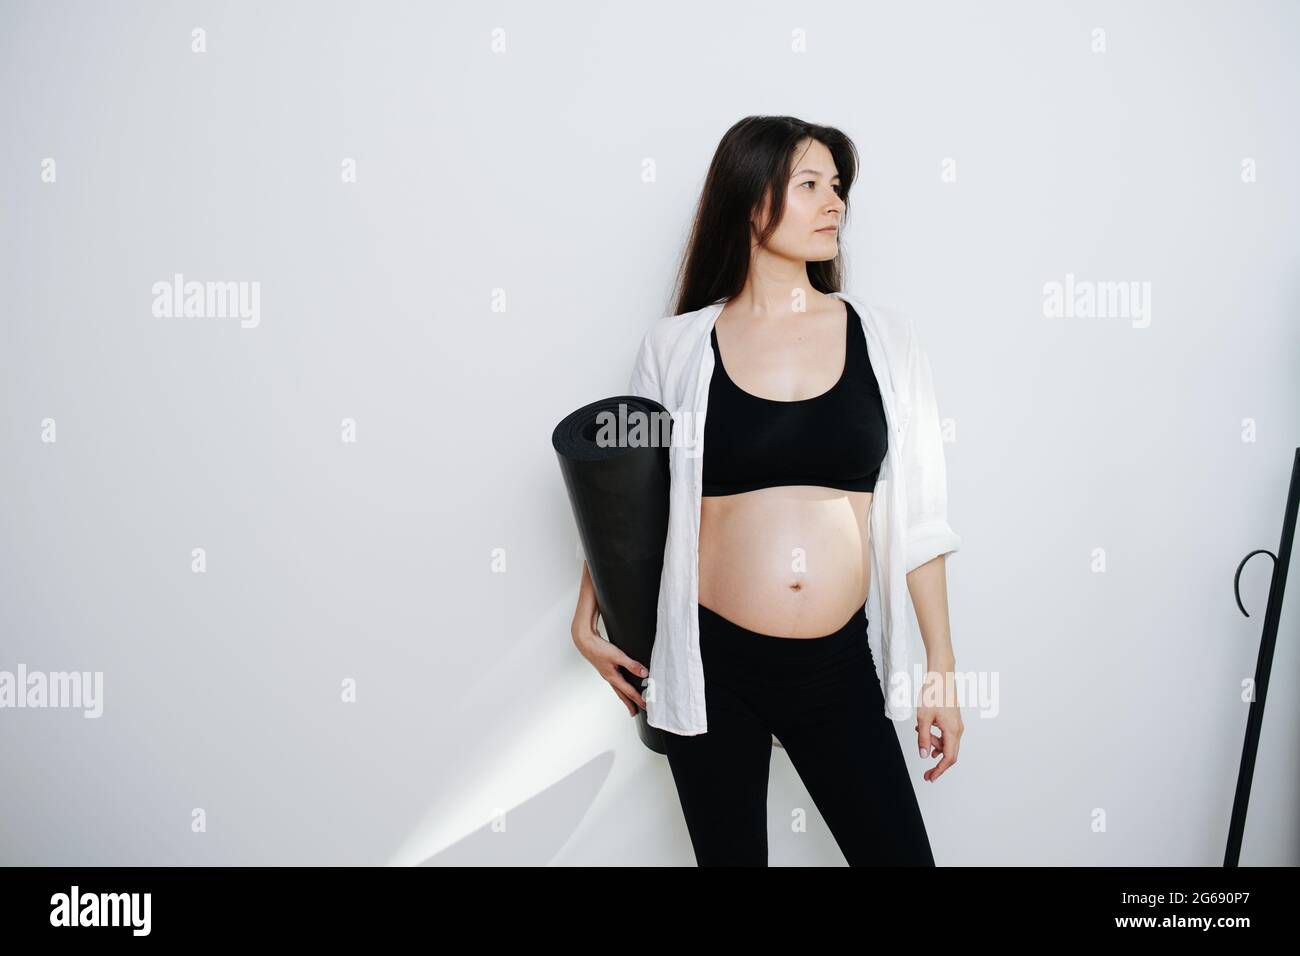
517,174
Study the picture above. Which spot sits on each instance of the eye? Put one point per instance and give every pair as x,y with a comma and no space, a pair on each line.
812,182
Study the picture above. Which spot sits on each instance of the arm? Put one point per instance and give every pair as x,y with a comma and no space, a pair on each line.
587,606
938,707
603,654
644,381
930,539
928,586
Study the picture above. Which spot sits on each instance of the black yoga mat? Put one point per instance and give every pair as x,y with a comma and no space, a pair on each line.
618,483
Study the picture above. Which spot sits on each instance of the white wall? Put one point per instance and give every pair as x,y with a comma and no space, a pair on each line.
522,170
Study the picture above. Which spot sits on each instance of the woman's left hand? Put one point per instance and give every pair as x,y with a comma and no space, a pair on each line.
947,721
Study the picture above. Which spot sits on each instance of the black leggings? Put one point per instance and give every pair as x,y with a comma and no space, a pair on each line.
822,700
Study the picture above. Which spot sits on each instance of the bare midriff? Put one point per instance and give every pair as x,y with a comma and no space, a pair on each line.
789,561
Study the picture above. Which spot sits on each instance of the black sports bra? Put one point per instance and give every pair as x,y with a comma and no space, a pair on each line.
837,439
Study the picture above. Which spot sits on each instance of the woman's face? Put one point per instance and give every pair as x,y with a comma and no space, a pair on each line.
809,228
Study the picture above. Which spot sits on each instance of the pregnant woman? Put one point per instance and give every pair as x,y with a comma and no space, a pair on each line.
811,409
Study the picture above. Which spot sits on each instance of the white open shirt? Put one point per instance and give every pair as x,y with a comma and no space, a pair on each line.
909,511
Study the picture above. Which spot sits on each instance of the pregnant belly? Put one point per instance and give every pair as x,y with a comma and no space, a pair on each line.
789,561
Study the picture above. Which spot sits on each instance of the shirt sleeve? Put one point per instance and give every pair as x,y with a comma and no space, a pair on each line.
928,532
644,380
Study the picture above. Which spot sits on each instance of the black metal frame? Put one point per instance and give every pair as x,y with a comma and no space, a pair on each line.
1264,664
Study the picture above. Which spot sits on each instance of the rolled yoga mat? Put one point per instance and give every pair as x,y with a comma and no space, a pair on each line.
614,457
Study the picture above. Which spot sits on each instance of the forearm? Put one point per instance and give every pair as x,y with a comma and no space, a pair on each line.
584,616
586,590
928,585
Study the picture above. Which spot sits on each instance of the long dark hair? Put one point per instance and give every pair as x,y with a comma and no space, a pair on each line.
752,160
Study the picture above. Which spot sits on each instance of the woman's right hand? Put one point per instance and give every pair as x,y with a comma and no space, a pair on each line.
604,655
